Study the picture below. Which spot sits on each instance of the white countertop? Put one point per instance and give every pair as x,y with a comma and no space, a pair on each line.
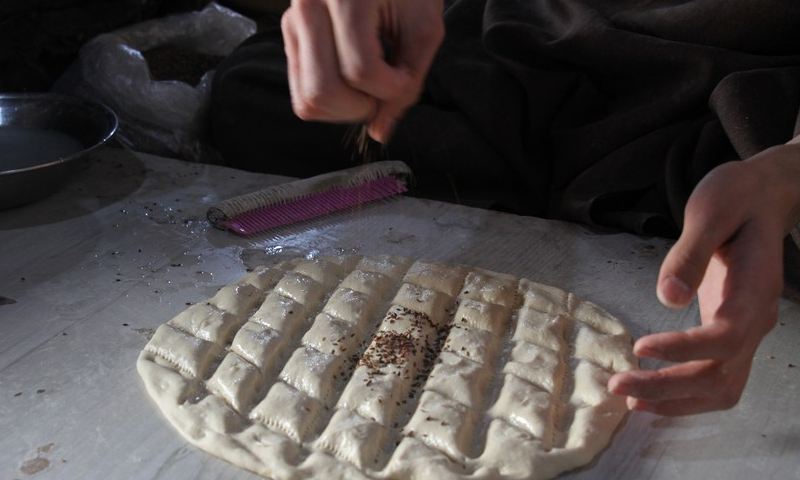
88,273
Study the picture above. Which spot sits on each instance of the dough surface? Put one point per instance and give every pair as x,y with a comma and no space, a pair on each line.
383,367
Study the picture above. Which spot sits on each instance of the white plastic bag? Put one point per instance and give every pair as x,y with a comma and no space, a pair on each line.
164,117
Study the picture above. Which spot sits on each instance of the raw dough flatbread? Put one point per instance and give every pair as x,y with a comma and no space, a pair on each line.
382,367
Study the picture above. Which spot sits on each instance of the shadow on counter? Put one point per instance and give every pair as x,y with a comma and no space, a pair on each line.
97,184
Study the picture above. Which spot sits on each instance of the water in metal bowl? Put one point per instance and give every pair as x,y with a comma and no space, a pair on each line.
43,137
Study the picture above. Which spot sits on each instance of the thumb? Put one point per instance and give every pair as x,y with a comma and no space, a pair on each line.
682,271
422,34
382,125
705,231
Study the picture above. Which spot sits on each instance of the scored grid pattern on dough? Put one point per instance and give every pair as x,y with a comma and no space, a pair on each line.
389,368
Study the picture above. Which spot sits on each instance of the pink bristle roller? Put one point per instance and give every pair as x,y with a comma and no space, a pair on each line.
308,198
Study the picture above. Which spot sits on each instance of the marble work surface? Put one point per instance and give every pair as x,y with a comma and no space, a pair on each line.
87,274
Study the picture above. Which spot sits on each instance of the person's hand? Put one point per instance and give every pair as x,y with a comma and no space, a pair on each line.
338,71
730,254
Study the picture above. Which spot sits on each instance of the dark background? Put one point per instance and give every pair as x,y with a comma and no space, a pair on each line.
40,39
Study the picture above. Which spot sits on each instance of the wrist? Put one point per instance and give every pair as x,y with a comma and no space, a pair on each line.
780,172
792,164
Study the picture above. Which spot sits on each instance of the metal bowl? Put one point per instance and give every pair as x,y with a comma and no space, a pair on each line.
43,137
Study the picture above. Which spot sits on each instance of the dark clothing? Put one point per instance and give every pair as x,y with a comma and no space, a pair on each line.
595,111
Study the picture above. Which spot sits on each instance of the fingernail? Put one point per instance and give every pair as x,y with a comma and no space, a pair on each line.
648,352
639,405
674,292
382,129
616,386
